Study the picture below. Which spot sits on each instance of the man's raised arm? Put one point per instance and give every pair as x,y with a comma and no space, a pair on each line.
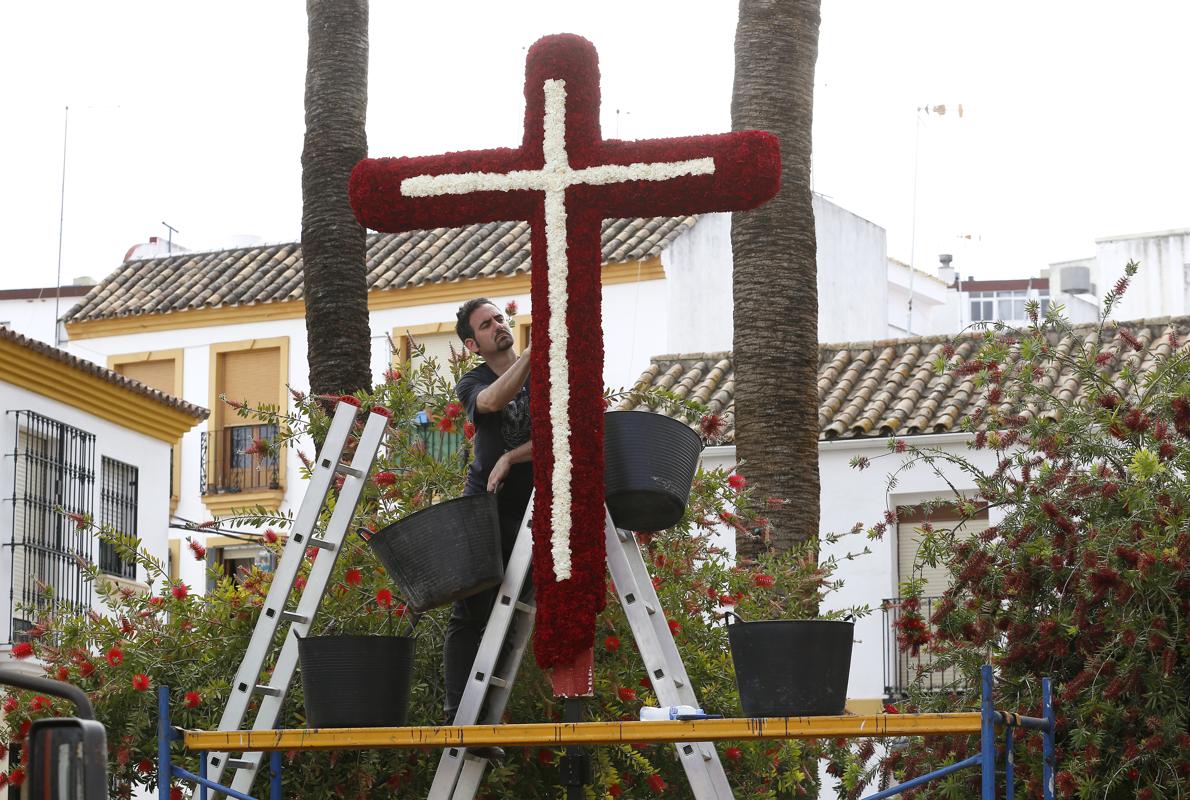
501,391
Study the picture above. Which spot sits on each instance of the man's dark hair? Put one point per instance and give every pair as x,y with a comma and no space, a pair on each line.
463,317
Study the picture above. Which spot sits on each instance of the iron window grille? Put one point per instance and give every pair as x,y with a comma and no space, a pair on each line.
228,463
118,503
903,669
53,475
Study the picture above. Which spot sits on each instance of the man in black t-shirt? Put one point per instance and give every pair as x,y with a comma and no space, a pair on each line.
496,397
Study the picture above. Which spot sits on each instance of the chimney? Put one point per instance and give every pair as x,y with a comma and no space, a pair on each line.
946,271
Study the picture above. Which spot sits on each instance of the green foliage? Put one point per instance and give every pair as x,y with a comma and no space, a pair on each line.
194,644
1085,578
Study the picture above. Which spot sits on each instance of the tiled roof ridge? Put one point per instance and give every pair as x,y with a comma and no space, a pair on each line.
888,387
103,373
266,273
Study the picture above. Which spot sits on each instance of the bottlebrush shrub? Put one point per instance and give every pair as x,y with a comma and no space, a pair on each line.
193,643
1084,579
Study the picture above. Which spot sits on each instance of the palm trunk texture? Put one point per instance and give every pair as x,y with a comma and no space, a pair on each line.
775,290
333,243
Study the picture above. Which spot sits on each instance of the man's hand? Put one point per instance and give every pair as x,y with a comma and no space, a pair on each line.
499,472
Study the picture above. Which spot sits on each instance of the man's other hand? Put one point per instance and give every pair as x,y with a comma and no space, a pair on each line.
499,472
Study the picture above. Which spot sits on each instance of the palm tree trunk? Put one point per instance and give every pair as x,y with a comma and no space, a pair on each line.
333,243
775,290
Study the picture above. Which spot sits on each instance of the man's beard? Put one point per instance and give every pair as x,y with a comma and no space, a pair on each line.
504,342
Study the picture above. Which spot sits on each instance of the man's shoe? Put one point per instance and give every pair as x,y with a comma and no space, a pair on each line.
491,752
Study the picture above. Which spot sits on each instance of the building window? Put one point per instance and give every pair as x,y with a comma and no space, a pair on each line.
117,508
54,466
1007,305
162,370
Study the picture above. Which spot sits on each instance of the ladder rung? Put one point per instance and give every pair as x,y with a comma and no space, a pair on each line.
500,682
272,691
241,763
293,616
348,470
524,607
623,534
321,544
650,608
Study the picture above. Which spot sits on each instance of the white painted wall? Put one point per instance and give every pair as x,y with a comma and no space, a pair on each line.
852,275
935,310
698,271
150,456
34,318
1161,287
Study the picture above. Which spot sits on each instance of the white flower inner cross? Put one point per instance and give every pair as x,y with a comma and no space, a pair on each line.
553,179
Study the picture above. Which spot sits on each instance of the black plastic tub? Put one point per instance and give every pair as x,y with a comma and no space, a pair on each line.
443,553
356,681
649,464
791,668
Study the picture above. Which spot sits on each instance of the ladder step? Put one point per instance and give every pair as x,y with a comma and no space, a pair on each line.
272,691
650,608
499,682
293,616
348,470
241,763
321,544
623,534
525,607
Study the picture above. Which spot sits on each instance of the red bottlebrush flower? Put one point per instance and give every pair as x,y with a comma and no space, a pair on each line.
948,350
712,426
1166,451
350,400
80,520
1109,401
510,308
61,674
180,591
392,375
115,656
861,463
995,396
675,627
1120,287
446,425
611,644
140,682
193,699
353,577
384,478
1136,420
145,767
614,790
299,582
1133,342
726,599
39,702
312,553
469,430
763,581
199,551
981,440
1065,783
626,695
889,708
733,754
22,650
657,784
16,777
86,669
453,410
900,446
382,411
384,597
737,481
270,535
175,793
1103,358
401,609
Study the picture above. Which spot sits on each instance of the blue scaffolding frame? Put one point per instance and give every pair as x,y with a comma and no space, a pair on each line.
985,760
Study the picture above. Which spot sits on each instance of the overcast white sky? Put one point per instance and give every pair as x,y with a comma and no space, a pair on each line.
1075,114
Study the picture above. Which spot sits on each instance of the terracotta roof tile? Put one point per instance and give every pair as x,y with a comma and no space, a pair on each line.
876,389
273,273
103,373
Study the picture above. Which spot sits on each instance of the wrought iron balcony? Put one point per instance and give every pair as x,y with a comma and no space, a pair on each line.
903,669
242,458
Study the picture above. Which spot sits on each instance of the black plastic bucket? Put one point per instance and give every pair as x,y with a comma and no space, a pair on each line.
443,553
356,681
649,463
791,668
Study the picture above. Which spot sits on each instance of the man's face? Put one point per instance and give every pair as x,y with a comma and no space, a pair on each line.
491,331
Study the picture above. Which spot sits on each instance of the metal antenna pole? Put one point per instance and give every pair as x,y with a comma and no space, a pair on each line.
61,223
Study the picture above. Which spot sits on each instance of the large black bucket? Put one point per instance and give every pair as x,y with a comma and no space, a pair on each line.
649,462
791,668
443,553
356,681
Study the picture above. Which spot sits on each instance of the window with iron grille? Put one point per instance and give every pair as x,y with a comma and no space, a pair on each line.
54,476
117,504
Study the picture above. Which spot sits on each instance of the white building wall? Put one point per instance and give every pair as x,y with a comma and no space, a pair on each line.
698,269
1161,286
34,317
150,457
852,275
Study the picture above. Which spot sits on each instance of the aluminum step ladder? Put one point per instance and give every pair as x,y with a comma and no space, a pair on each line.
274,612
503,646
